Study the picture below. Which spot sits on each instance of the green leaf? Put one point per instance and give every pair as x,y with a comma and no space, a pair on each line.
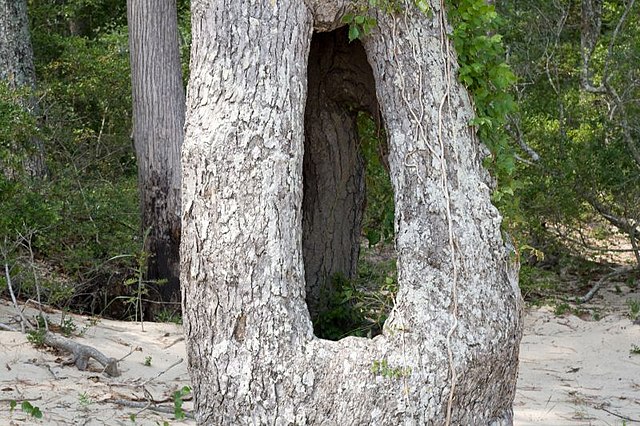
36,413
348,18
373,237
354,33
422,5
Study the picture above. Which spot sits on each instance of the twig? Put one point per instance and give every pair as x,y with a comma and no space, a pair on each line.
161,373
148,405
26,243
23,320
630,419
7,327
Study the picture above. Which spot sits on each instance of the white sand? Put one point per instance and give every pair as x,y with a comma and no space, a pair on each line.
571,371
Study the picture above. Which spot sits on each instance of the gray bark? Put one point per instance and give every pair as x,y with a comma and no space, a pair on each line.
340,84
158,115
18,70
16,54
448,352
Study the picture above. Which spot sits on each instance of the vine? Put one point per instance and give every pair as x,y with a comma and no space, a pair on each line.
488,78
482,69
363,21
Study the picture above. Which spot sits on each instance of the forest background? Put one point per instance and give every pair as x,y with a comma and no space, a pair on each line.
557,94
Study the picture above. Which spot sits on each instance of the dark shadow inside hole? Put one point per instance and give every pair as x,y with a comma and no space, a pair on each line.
346,196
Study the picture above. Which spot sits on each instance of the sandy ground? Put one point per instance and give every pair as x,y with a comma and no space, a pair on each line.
572,371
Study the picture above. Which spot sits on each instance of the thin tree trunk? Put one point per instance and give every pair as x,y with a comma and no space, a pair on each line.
340,84
448,352
158,113
18,70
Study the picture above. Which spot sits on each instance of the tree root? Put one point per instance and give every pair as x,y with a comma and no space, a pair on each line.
82,353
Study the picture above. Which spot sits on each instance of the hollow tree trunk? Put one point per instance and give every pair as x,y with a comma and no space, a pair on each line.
448,352
158,116
340,84
17,70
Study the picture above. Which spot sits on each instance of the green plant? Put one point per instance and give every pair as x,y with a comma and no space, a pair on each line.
488,77
147,361
635,350
561,309
27,408
168,315
634,308
378,220
383,369
359,307
178,400
84,400
343,315
361,22
537,284
36,337
67,326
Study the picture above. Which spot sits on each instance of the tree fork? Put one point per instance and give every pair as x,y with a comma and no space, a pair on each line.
252,354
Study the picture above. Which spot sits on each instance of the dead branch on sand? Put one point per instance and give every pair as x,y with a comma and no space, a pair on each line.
81,353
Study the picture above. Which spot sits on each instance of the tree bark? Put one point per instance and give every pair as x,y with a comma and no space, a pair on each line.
448,352
340,84
158,115
18,70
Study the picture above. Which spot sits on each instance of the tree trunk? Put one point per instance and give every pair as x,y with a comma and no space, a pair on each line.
158,113
340,84
448,352
17,69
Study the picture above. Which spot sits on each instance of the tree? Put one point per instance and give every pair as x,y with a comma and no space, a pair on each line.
579,88
448,352
18,71
158,111
340,84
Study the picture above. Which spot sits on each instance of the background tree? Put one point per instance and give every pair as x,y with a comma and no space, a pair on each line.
158,117
578,93
18,72
448,352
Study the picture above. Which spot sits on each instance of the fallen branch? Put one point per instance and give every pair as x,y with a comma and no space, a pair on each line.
82,353
596,287
147,405
7,327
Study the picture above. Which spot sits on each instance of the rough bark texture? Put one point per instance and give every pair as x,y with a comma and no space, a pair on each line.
448,352
340,84
16,54
18,70
158,116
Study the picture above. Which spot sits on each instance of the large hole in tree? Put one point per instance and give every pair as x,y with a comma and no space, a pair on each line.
347,236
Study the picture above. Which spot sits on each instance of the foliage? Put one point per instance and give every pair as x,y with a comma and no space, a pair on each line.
86,210
178,400
383,369
537,284
634,308
27,408
586,167
487,76
379,212
359,307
